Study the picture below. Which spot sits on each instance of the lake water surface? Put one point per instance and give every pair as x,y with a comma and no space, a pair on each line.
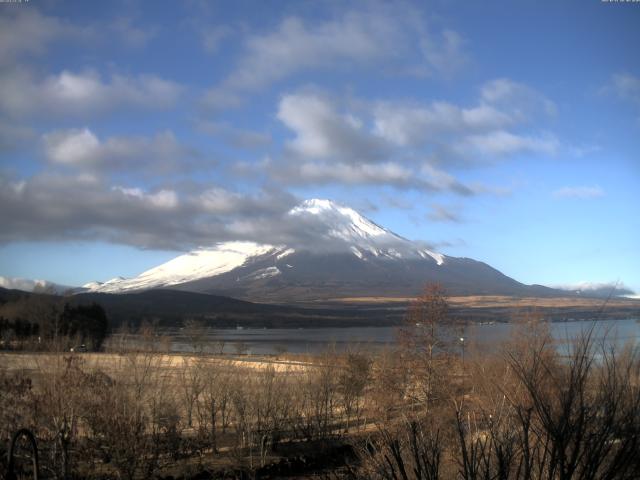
314,340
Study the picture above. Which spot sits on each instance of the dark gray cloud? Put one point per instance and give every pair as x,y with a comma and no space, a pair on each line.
69,94
83,207
24,31
14,135
66,207
81,149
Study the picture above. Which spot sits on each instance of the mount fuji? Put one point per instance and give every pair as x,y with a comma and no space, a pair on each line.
344,255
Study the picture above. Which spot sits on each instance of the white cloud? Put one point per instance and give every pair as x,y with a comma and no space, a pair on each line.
441,213
82,148
374,35
389,173
441,180
212,37
502,104
517,98
322,132
444,54
55,206
218,200
162,199
72,147
384,173
25,31
69,93
132,35
581,192
598,288
386,143
502,143
626,86
27,285
357,36
416,124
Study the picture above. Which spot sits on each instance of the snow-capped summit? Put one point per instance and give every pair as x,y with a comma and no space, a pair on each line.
342,222
358,234
342,254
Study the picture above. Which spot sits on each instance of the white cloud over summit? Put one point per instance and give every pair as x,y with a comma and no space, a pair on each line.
410,145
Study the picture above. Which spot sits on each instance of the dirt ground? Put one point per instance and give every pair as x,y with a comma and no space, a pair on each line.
111,362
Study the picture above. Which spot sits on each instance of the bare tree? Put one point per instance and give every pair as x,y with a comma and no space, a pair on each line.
213,407
423,339
389,384
353,378
195,331
191,384
128,419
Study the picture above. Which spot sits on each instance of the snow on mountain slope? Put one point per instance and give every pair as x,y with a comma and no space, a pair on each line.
339,228
194,265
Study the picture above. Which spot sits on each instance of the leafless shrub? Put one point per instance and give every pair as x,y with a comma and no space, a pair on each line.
212,409
131,421
389,383
353,379
411,449
558,419
190,385
16,409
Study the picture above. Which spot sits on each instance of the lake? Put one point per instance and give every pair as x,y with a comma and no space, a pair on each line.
315,340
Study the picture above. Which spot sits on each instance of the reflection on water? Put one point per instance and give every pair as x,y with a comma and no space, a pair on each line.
314,340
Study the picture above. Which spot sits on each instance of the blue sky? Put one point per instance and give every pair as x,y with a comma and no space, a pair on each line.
507,132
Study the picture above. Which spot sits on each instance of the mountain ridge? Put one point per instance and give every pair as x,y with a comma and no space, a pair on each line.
345,254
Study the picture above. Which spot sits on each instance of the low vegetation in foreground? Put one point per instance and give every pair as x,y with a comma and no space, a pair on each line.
432,408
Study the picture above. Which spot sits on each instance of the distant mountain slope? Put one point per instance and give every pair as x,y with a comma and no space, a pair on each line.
346,255
170,308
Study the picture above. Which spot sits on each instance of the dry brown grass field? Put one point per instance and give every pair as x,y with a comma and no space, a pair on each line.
482,301
357,416
418,409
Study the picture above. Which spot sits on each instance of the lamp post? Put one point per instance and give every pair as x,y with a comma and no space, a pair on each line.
462,347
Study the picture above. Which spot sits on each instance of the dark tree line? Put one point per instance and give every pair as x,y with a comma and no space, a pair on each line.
87,322
52,322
